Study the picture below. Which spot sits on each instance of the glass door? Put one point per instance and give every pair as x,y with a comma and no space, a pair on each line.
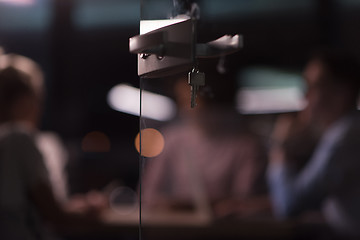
197,154
163,81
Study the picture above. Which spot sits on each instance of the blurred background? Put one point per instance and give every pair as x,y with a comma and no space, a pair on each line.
82,46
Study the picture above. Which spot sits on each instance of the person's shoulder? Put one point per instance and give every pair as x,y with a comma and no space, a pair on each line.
353,129
49,138
356,119
16,135
348,146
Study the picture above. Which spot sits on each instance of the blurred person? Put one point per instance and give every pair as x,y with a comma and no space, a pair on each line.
33,194
49,143
315,157
210,156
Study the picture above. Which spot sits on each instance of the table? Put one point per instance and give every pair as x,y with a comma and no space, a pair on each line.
190,226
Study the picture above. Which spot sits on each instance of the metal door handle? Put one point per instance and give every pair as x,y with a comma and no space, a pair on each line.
173,48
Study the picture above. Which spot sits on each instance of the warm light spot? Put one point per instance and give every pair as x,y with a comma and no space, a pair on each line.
152,142
95,142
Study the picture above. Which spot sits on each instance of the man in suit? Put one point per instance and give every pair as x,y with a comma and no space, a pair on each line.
327,130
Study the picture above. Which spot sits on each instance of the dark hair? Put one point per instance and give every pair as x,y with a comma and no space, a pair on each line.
341,67
14,84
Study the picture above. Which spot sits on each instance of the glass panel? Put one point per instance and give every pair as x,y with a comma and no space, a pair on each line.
156,92
206,163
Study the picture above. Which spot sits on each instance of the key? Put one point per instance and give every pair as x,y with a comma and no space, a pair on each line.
196,79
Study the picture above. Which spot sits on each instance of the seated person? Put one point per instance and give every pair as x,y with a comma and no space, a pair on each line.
323,173
210,156
28,202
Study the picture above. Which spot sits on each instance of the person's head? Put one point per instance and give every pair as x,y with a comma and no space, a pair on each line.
333,82
20,89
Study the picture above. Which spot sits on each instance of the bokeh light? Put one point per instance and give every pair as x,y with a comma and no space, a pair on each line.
123,200
152,142
125,98
96,141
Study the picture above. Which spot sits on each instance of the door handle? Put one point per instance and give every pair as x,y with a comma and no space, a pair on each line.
173,48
